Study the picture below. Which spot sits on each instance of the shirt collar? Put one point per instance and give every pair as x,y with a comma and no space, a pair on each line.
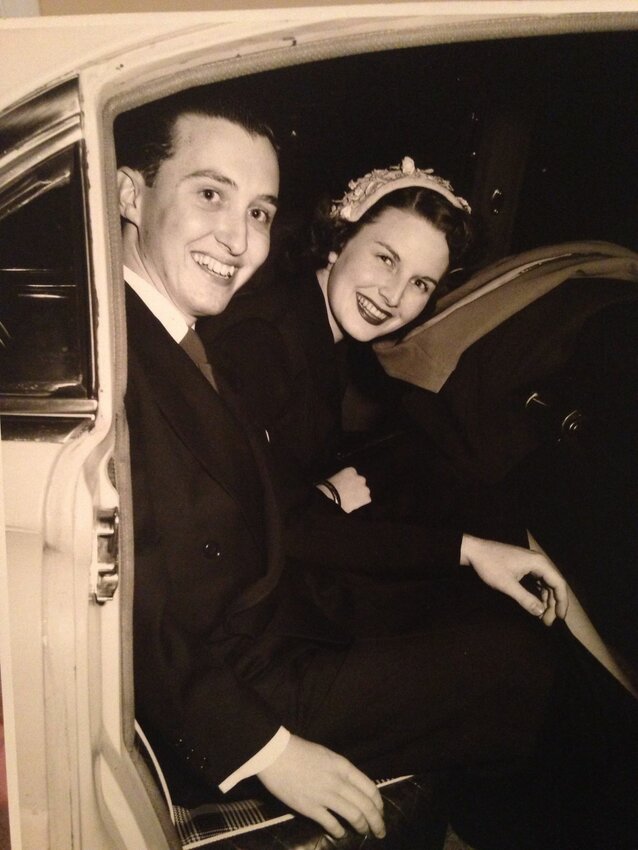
159,305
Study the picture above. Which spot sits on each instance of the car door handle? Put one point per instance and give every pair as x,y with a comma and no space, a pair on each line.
107,575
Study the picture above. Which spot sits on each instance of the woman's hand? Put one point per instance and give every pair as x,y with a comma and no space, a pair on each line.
320,784
352,488
502,567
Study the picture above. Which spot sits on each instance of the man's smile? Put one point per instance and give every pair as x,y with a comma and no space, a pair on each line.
213,266
370,312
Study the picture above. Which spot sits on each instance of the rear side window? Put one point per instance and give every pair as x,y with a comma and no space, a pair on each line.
44,333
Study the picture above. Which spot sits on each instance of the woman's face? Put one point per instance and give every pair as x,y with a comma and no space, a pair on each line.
385,275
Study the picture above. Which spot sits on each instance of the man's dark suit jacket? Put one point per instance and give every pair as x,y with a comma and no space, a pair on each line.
212,603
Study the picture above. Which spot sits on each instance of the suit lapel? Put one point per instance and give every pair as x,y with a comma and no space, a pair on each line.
194,410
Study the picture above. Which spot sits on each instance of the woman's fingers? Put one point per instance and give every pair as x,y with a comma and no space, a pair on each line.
546,572
503,567
549,601
527,600
352,487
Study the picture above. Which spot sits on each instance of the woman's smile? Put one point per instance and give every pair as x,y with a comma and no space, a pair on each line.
371,312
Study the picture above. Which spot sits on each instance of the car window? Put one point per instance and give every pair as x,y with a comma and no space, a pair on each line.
44,349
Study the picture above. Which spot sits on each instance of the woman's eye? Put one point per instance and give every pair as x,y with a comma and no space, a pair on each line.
385,258
424,285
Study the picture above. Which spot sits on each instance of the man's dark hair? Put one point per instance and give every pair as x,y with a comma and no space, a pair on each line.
144,137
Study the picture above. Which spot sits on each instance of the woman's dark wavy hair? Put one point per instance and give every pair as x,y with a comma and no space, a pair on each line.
331,234
144,137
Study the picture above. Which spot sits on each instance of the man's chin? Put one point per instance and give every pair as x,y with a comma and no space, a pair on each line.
218,298
216,305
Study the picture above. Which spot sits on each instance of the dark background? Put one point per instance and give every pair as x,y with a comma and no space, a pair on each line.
551,123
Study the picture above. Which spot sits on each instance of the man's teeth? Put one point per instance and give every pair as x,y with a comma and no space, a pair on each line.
369,307
214,266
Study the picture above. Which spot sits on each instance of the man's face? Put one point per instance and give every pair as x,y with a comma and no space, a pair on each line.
203,228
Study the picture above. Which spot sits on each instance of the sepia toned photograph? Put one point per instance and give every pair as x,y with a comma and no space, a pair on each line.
319,425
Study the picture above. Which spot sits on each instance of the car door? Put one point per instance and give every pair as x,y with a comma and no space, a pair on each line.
60,385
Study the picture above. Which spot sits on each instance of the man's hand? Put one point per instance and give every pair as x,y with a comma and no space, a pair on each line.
320,784
352,488
502,567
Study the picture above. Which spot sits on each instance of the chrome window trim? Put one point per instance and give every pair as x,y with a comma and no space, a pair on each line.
34,131
73,407
44,114
16,162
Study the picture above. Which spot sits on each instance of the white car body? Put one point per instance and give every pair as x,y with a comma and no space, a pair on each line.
66,666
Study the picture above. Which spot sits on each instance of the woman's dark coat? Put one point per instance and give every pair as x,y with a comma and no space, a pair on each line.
275,348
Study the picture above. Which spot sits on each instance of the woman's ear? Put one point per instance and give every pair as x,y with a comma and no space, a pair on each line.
332,258
130,184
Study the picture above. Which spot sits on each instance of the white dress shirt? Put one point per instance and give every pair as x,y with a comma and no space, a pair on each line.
177,326
159,305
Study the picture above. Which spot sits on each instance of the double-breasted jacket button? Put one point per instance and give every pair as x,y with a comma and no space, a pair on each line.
212,550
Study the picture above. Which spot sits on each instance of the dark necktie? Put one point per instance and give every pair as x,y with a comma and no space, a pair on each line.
194,347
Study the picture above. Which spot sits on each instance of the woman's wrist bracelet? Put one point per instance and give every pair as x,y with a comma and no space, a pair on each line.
330,487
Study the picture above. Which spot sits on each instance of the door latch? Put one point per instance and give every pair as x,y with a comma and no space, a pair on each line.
107,577
497,201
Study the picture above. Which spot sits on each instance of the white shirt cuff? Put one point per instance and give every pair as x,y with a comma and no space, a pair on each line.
264,758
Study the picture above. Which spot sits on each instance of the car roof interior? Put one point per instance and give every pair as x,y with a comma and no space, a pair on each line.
549,121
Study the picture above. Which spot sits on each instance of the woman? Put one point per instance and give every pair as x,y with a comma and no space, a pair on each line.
292,376
377,260
378,256
383,250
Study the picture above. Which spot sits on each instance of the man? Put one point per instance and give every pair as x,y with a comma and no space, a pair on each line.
241,663
193,234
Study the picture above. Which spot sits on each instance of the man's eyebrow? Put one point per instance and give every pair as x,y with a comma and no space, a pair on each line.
269,199
227,181
212,175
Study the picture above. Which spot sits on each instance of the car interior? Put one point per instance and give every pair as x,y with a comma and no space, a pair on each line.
539,134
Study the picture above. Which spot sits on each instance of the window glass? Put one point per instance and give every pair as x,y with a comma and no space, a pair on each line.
44,340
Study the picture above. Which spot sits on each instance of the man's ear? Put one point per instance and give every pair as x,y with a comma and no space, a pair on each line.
130,184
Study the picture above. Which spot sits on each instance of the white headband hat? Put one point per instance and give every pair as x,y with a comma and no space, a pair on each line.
367,190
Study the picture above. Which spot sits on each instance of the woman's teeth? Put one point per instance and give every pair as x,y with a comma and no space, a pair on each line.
370,312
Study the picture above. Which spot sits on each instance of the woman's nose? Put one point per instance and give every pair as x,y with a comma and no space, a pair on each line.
392,292
231,232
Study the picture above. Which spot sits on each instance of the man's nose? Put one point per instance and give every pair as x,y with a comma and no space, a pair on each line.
392,292
231,232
